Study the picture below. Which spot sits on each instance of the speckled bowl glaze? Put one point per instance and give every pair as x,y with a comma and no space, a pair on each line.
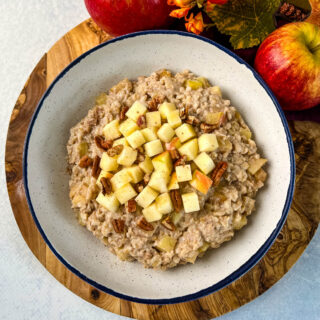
67,101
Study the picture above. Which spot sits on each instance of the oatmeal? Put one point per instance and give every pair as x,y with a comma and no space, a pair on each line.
163,168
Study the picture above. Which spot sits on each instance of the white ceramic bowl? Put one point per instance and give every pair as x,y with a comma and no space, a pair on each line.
68,100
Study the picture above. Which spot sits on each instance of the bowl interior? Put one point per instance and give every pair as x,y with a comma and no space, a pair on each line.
69,99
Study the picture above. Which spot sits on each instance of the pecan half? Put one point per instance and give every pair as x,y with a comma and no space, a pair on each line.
176,200
183,113
153,104
96,167
218,172
174,154
181,161
144,224
118,225
141,121
115,150
131,206
106,185
123,112
167,223
85,162
103,144
207,128
193,120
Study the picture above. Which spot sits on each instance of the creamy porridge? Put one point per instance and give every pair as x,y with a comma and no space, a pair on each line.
163,168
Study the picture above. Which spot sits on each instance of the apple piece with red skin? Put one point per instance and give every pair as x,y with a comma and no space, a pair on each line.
173,144
289,61
201,182
124,16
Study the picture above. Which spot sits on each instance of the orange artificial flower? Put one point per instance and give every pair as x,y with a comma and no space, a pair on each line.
195,24
182,3
179,13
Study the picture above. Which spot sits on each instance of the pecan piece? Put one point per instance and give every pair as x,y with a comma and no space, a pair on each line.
131,206
218,172
181,161
118,225
115,150
96,167
153,104
138,187
146,178
174,154
207,128
103,144
106,185
123,112
183,113
167,223
85,162
193,120
176,200
141,121
144,224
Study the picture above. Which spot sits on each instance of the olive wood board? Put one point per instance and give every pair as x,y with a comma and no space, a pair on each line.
301,224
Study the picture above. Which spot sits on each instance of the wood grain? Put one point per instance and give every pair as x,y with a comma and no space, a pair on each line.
302,222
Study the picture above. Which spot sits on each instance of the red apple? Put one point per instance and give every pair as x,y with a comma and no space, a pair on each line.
118,17
289,61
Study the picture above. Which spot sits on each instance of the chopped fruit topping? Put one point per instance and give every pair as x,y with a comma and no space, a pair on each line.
146,165
153,148
136,173
190,149
151,213
121,178
166,244
162,162
214,118
108,163
111,130
121,141
208,142
149,134
245,132
239,221
103,174
146,197
159,181
165,108
125,193
127,127
216,90
194,84
144,225
168,223
201,182
128,156
108,201
184,173
204,162
185,132
136,139
174,119
190,202
256,164
165,133
164,204
173,184
173,144
153,119
137,109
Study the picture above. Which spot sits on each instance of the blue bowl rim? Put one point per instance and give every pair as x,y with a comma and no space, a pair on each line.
243,268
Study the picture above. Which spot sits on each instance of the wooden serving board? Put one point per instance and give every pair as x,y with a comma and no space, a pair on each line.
302,222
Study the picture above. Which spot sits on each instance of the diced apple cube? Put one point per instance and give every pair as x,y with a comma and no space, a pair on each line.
204,247
208,142
173,144
201,182
190,202
216,90
136,139
174,119
165,108
176,217
164,204
149,134
108,201
127,127
204,81
166,243
136,173
184,173
136,110
146,197
190,149
225,145
204,162
185,132
163,162
194,84
256,164
173,184
127,156
103,174
153,119
121,141
214,118
245,132
125,193
120,179
151,213
146,165
159,181
165,133
153,148
239,221
108,163
111,130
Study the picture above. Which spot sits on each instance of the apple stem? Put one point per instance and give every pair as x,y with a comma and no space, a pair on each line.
315,49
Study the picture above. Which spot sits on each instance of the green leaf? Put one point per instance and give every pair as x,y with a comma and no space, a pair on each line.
303,4
248,22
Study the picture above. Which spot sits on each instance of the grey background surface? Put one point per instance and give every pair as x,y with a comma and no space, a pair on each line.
27,290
